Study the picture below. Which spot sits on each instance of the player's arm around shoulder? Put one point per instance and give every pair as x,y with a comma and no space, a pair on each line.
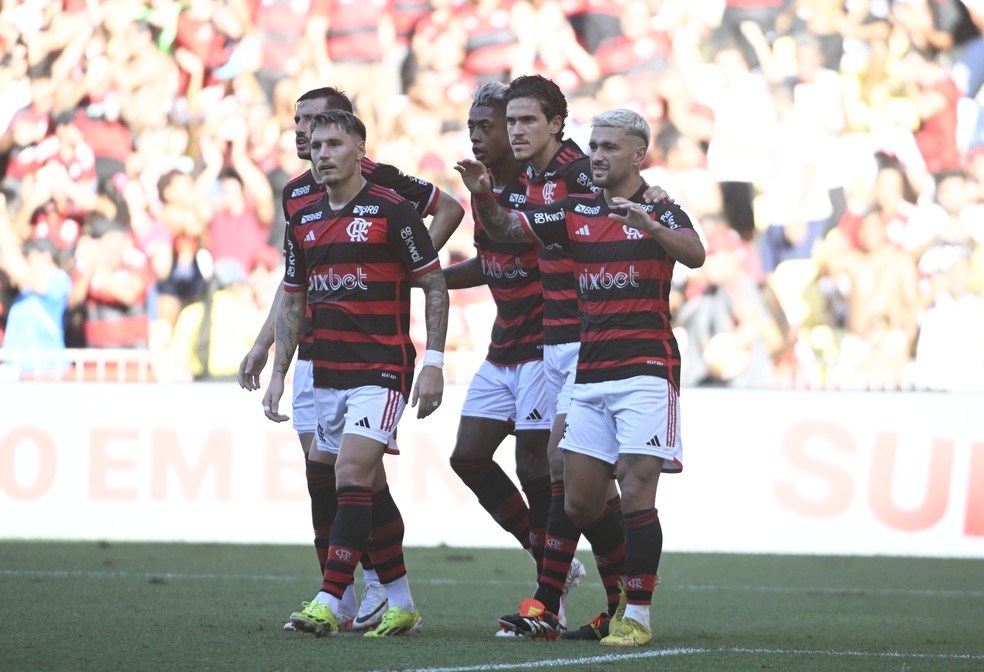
668,225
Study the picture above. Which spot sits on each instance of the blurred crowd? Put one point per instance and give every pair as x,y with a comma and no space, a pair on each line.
832,152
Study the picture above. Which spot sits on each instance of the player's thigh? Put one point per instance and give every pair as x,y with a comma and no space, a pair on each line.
359,458
479,438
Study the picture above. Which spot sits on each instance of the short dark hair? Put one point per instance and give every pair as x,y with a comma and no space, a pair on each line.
165,181
335,99
346,121
544,91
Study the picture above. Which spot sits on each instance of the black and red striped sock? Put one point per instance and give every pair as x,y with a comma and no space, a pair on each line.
644,545
349,538
562,538
386,538
324,505
607,539
538,499
497,494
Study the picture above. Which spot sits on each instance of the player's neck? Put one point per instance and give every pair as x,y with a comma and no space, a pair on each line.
341,193
542,158
627,188
503,170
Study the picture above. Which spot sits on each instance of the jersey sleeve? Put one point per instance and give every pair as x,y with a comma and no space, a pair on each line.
295,271
578,178
546,225
421,193
409,237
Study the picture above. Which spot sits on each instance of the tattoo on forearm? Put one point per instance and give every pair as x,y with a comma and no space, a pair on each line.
435,307
290,322
501,224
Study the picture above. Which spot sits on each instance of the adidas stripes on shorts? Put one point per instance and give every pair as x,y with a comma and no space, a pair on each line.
639,415
369,411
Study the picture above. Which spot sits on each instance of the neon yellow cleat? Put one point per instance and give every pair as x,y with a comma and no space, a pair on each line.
397,622
623,599
628,633
315,618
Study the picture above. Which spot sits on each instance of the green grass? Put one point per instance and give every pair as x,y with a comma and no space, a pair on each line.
88,606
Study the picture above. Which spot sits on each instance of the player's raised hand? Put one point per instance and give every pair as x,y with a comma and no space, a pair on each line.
475,176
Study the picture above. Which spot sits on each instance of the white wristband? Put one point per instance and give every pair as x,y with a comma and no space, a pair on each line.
434,358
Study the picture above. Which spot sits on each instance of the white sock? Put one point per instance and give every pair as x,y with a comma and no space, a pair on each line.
638,613
398,594
327,598
370,576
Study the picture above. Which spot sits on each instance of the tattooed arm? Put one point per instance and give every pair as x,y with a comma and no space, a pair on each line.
501,224
429,388
290,322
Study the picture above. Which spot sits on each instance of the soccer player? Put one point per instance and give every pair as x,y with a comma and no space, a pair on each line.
507,393
304,189
353,257
624,415
550,169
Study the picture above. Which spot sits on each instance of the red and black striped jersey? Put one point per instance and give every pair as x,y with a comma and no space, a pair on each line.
623,277
512,274
356,266
304,190
569,172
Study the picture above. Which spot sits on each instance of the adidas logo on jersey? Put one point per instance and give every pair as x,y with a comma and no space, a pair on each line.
364,422
535,415
653,441
583,231
309,238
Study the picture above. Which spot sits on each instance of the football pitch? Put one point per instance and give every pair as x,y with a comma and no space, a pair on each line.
134,606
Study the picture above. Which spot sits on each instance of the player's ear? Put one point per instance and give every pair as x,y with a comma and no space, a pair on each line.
639,155
362,149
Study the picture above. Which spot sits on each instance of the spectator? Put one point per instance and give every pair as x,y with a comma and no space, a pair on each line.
242,207
879,281
110,284
35,320
185,215
949,350
210,334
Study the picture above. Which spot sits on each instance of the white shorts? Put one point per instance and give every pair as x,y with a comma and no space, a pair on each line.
510,393
560,365
639,415
304,417
369,411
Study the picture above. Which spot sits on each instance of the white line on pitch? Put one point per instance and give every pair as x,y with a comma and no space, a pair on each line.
663,653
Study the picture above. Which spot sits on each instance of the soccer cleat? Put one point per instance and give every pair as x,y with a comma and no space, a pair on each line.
623,599
594,630
315,618
533,620
397,622
373,604
628,633
507,633
574,576
289,627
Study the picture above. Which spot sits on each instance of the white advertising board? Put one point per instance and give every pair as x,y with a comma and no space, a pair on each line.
775,472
